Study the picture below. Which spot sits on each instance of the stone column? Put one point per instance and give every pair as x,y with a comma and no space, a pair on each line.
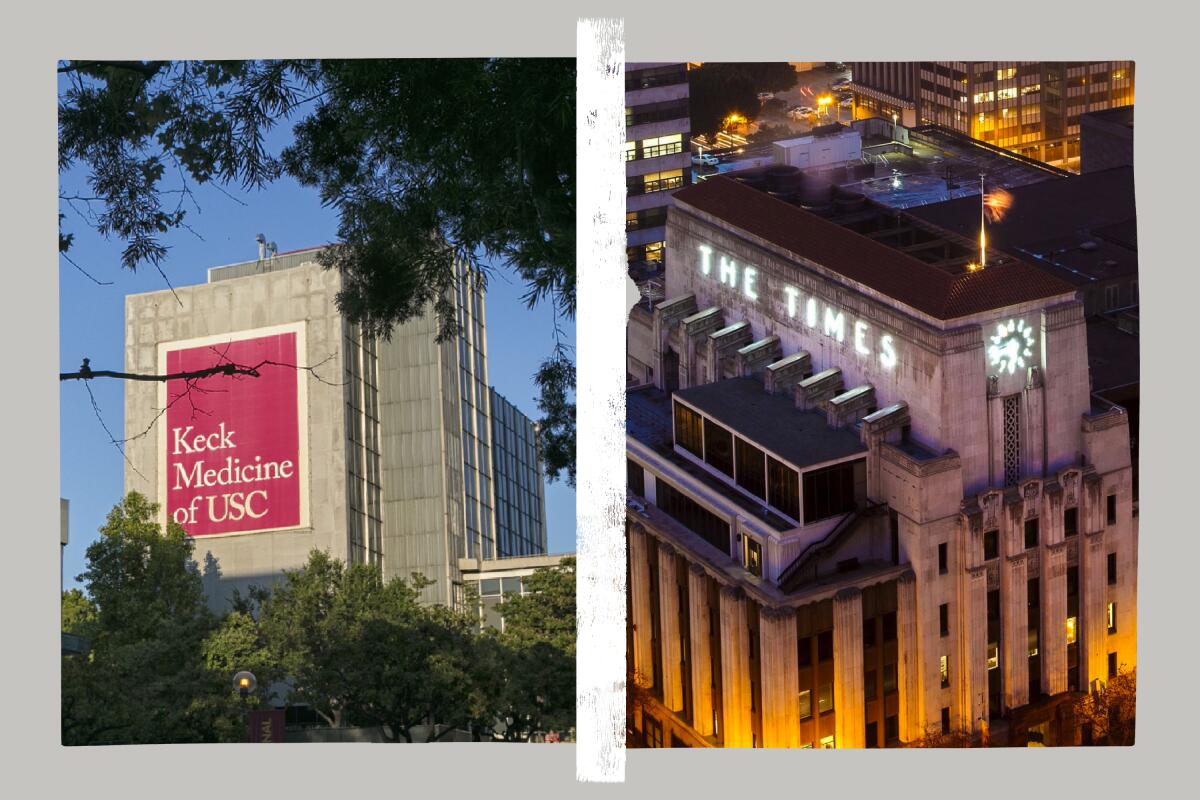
1053,634
670,639
780,671
735,669
908,657
1093,577
702,679
973,683
1014,619
639,600
849,702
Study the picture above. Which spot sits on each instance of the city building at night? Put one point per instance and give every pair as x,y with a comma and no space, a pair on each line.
1030,107
658,160
393,452
872,497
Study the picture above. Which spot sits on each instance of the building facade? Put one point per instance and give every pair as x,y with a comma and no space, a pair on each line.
375,451
872,499
658,158
1030,107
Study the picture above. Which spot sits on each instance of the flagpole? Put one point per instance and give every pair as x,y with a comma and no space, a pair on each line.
982,235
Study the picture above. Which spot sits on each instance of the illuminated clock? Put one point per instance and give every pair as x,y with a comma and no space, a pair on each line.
1012,344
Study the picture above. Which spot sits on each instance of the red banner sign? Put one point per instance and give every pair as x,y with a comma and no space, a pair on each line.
265,726
233,442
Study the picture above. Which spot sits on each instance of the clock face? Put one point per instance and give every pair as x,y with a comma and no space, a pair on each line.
1012,344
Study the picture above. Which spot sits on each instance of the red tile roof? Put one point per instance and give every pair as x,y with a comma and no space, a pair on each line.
866,261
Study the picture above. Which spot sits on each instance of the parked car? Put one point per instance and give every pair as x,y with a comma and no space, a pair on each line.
765,96
846,102
705,160
801,112
840,84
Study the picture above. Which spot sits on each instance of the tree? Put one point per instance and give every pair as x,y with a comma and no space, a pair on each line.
717,89
78,614
538,654
144,680
1110,712
430,164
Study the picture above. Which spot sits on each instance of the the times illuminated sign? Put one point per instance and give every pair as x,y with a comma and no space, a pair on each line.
808,310
232,450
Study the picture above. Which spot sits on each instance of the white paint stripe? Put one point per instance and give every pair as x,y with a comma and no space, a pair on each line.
601,280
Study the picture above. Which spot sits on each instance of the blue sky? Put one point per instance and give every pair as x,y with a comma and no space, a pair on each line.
92,326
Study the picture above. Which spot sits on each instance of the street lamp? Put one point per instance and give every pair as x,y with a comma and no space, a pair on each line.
823,104
244,683
895,130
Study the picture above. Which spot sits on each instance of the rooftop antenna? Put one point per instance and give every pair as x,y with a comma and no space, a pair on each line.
262,246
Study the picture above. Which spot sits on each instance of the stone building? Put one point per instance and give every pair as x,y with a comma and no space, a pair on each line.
390,452
871,496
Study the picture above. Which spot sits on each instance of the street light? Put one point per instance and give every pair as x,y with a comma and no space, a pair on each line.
244,683
895,129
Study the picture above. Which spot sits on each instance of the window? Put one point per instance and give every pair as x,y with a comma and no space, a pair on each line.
1112,617
943,558
689,430
1112,569
750,468
1012,440
944,670
1112,665
753,555
830,491
1112,297
653,732
783,487
687,512
718,447
945,719
944,618
662,145
889,626
1112,509
991,545
824,698
890,682
872,734
827,743
1072,624
657,181
869,632
825,646
630,152
891,728
655,76
993,655
804,651
1031,533
1071,522
869,681
635,477
805,704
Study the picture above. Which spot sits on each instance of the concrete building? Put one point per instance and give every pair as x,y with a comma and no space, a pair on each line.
658,160
1106,139
495,578
1030,107
872,497
375,451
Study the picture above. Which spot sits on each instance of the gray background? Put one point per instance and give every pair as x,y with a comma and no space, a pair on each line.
1162,45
